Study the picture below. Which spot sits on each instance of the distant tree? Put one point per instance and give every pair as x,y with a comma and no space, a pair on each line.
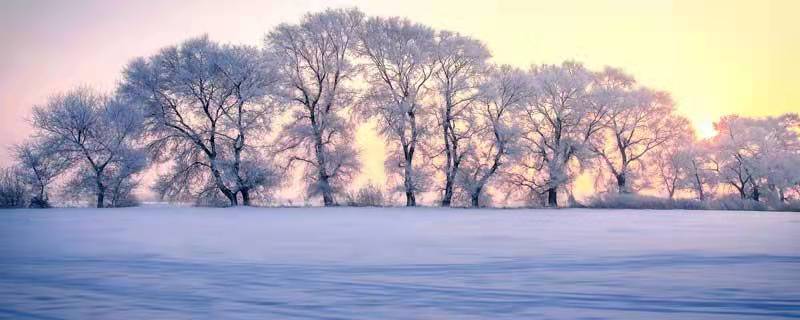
501,95
758,155
315,63
99,133
674,165
204,104
400,63
638,122
696,163
460,63
40,163
557,121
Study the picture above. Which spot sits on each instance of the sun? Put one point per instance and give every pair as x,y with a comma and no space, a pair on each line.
705,129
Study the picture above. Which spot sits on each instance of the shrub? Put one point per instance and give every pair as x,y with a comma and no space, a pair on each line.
368,196
737,203
634,201
12,189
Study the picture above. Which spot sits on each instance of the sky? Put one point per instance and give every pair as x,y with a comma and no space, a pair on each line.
715,57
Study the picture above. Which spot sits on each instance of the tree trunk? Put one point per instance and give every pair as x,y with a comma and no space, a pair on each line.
448,192
101,192
756,194
408,182
552,197
621,183
700,192
322,174
245,196
100,199
221,186
475,196
411,200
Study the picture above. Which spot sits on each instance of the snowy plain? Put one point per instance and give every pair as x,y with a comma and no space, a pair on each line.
397,263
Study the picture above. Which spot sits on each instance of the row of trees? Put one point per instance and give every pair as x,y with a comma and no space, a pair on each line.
232,121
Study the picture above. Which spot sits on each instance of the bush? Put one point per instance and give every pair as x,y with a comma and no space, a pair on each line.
368,196
791,205
12,189
737,203
634,201
39,203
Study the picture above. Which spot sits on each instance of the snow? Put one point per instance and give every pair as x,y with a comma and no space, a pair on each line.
397,263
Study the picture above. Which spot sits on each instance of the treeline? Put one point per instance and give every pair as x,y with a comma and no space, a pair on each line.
234,122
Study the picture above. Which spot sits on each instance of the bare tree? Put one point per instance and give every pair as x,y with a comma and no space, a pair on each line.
98,132
316,66
12,188
558,121
202,102
699,167
40,164
502,94
460,62
400,63
758,155
674,161
638,121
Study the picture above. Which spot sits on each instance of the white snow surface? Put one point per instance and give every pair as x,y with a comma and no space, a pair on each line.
397,263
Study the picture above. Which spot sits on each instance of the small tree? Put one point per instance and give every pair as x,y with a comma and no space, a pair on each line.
12,189
40,163
96,132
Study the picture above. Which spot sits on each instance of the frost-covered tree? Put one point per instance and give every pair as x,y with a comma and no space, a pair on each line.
688,166
40,163
99,133
638,121
699,169
400,62
503,92
557,121
675,163
316,67
758,155
204,103
12,188
460,63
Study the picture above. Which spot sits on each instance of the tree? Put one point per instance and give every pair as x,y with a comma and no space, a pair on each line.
202,103
757,155
557,121
697,165
638,121
40,164
12,188
316,68
674,162
400,63
460,62
501,96
97,132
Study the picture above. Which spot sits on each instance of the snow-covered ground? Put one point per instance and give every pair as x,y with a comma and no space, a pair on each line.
424,263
